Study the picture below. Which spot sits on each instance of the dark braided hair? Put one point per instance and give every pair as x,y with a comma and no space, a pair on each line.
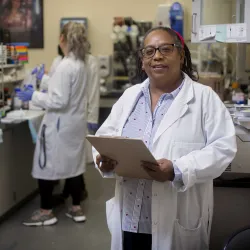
187,66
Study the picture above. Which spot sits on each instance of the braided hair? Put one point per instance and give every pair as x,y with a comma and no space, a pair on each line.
187,66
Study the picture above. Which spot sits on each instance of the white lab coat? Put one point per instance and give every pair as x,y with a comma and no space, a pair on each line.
198,133
93,89
93,85
93,98
66,104
46,77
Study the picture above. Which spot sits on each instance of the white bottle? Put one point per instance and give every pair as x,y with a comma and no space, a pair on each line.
17,103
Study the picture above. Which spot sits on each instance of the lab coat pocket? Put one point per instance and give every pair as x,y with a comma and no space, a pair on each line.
110,204
190,239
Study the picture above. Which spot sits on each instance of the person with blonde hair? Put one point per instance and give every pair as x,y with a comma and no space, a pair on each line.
59,150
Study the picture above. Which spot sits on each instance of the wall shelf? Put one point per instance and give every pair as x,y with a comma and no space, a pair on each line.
10,66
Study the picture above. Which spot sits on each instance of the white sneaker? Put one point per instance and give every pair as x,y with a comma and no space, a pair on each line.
77,216
40,219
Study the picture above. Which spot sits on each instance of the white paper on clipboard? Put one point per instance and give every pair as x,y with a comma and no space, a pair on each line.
127,152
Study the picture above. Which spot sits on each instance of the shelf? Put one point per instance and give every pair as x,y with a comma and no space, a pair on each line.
9,66
12,80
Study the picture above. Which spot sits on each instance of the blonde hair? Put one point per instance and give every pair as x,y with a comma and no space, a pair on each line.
76,39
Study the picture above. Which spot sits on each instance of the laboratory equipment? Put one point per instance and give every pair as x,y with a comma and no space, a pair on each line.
177,18
238,97
210,24
9,73
16,102
220,20
239,168
104,65
3,54
213,59
127,36
162,15
171,15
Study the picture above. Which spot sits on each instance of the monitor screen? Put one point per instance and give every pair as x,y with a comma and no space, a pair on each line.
81,20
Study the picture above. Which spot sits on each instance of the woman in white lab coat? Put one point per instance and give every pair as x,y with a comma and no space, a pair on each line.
60,145
93,86
190,133
93,98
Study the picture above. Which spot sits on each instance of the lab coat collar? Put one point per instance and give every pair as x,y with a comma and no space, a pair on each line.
178,108
70,55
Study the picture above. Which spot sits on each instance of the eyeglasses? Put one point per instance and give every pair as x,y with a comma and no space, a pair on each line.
165,50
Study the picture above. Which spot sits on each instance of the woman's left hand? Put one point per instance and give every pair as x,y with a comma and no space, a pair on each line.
163,171
26,95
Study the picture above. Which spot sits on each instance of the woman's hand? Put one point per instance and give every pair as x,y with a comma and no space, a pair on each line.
163,171
105,164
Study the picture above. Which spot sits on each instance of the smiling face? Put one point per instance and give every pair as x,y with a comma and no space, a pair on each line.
164,67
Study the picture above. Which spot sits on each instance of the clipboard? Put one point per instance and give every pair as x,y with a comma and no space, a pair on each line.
127,152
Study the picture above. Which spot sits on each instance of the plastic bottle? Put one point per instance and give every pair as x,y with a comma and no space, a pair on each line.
16,102
238,97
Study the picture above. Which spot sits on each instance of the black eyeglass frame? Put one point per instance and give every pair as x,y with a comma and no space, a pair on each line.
159,49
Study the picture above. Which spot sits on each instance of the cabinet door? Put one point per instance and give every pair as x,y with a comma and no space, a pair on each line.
7,199
208,15
215,12
23,149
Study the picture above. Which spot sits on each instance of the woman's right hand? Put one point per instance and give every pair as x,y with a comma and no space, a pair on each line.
105,164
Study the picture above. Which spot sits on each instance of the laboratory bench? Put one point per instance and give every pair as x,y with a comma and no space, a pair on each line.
16,159
16,156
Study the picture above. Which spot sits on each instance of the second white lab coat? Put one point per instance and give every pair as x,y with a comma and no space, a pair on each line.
46,77
198,133
65,121
93,85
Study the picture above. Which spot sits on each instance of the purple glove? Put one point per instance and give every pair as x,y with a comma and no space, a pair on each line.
92,126
40,73
26,95
34,71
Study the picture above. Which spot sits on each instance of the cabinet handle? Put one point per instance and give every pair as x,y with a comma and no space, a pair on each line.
193,23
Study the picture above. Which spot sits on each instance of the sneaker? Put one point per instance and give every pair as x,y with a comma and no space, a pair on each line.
40,219
77,216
